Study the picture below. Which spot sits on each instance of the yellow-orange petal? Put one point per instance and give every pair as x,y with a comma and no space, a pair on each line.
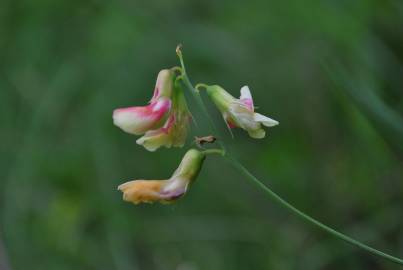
165,191
139,191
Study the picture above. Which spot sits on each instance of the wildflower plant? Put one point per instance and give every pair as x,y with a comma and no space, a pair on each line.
166,121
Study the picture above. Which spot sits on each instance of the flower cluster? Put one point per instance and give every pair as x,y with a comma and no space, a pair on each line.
165,122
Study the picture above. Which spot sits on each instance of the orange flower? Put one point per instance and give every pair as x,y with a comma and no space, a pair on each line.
165,191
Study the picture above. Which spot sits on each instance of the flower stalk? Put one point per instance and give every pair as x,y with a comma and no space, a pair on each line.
214,151
237,165
196,95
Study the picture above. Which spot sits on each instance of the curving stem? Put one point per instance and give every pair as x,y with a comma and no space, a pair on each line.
261,185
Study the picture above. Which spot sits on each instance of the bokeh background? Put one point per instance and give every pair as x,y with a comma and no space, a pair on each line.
330,71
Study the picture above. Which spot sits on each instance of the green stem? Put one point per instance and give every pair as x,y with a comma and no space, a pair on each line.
214,151
197,97
307,218
201,85
266,189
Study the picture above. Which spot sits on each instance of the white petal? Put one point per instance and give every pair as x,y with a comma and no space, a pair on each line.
246,98
131,122
154,139
266,121
150,144
245,93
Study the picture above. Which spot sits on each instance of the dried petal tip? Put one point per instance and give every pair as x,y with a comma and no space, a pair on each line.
178,49
165,191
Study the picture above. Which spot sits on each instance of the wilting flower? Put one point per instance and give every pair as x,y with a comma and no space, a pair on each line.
240,112
138,120
165,191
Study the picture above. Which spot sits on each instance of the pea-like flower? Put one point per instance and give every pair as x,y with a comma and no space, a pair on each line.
175,129
165,191
240,112
138,120
164,122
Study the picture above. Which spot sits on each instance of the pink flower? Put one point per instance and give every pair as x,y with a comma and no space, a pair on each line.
175,129
240,112
138,120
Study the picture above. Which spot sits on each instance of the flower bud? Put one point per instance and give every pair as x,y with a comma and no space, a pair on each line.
240,112
165,191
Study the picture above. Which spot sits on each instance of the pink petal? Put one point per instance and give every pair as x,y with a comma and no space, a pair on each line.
138,120
230,122
231,125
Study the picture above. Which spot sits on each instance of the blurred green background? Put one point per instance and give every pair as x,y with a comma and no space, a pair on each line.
330,71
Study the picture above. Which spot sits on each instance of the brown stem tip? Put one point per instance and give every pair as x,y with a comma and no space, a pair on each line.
178,49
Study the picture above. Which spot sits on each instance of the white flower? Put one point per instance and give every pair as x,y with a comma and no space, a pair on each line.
240,112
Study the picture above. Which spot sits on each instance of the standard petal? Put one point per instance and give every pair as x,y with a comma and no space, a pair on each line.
246,97
266,121
138,120
163,85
